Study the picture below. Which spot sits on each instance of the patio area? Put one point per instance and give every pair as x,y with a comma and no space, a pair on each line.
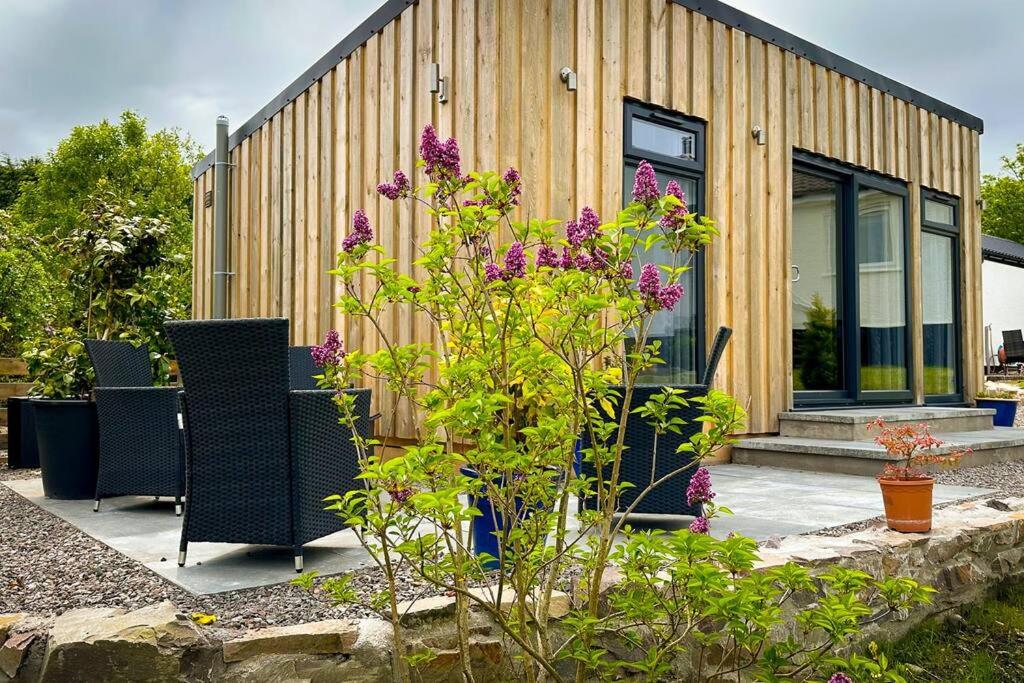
767,502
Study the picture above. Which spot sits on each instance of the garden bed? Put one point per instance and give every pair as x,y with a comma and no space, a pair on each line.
982,644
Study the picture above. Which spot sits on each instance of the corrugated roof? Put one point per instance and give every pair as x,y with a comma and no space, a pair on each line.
1002,250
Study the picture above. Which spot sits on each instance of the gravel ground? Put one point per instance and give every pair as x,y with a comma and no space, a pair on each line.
48,567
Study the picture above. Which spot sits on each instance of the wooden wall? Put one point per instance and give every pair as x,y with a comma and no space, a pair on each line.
298,179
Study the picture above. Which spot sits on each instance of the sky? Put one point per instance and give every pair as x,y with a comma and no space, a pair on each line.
65,62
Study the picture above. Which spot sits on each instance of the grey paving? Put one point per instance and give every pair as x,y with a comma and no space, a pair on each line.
766,501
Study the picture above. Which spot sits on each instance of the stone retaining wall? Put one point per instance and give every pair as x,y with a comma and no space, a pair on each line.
972,548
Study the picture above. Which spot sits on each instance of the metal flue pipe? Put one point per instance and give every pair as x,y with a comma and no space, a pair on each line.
220,221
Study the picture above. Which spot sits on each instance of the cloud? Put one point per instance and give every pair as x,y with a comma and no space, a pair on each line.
181,63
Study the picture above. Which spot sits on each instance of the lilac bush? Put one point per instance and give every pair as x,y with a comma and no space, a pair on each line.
531,319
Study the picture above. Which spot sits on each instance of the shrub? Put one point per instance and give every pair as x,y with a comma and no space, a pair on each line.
531,356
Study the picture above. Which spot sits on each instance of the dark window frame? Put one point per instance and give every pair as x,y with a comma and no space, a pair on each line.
691,169
853,180
952,231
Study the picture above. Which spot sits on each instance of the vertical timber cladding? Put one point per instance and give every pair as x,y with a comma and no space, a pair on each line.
318,159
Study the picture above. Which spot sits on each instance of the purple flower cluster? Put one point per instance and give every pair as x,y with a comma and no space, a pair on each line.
398,188
441,158
649,282
840,677
645,185
657,297
583,229
361,232
331,352
400,494
546,256
515,265
700,525
675,218
699,489
515,185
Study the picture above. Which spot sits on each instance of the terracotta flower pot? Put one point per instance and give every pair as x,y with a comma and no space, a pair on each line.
908,503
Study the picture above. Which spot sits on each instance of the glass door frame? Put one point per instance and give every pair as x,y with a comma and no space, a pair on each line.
952,232
691,169
852,181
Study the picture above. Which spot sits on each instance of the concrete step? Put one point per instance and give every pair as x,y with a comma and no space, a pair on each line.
3,417
852,424
3,438
844,456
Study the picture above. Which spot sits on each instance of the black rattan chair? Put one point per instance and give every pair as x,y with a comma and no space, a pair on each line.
260,458
669,497
140,447
1013,346
301,368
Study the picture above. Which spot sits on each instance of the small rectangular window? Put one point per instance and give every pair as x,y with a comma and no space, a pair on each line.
938,212
665,140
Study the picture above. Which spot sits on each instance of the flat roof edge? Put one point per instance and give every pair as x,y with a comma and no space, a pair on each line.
714,9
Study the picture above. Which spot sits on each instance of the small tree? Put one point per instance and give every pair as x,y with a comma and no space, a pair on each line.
1004,199
531,357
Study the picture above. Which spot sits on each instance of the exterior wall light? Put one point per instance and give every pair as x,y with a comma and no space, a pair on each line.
759,134
568,77
438,85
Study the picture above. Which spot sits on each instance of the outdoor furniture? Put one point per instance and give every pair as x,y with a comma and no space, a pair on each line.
1013,346
669,497
140,447
260,458
301,368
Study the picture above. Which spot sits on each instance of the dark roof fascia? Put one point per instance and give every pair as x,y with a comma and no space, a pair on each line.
715,9
991,250
751,25
376,22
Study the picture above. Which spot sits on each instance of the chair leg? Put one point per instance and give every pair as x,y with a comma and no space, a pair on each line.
182,552
298,559
177,506
96,505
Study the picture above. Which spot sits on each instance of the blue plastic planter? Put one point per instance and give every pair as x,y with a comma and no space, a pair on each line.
1006,410
488,525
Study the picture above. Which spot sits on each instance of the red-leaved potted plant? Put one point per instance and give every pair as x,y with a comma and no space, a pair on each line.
906,486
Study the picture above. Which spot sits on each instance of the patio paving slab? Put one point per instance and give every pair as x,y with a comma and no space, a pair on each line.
765,501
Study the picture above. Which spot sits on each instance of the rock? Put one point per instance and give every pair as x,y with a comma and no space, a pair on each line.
774,541
7,622
426,608
336,636
14,651
154,643
997,504
558,607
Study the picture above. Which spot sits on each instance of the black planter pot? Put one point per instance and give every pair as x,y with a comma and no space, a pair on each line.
67,437
21,436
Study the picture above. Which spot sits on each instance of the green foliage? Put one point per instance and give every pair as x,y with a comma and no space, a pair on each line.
13,175
150,169
59,365
1004,199
818,354
102,231
532,354
984,645
27,290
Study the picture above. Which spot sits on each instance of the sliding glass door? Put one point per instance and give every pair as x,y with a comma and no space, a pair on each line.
849,272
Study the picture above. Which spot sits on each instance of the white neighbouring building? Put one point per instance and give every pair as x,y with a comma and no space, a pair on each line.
1002,277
